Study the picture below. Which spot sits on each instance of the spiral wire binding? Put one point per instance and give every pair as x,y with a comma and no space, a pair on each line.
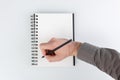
34,39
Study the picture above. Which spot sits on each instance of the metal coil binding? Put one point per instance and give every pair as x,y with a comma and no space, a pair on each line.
34,39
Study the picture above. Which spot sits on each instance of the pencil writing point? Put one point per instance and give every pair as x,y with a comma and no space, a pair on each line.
43,56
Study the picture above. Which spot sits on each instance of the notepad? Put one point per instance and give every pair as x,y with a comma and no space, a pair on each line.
44,27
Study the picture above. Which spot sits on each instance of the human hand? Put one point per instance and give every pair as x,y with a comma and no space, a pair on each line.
69,49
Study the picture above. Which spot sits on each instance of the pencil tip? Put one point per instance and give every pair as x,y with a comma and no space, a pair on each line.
43,56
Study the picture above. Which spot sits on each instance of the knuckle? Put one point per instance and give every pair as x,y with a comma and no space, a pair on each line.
40,44
53,38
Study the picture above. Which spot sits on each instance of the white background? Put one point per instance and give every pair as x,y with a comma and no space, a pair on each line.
96,22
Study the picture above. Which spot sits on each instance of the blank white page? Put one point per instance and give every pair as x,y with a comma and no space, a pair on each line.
50,25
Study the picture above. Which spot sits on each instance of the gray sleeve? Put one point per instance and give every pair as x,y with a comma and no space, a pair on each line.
107,60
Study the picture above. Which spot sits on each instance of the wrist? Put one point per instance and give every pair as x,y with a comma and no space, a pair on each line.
77,46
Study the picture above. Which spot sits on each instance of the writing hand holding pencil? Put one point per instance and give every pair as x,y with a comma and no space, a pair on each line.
58,49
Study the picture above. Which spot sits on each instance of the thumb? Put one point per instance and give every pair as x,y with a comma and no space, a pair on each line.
44,46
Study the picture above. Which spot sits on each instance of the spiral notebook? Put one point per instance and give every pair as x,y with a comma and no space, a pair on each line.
44,27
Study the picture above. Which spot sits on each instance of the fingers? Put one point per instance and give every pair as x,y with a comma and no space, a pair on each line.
52,39
48,45
43,46
43,52
52,58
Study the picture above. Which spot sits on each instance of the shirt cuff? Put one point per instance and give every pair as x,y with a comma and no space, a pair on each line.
87,52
